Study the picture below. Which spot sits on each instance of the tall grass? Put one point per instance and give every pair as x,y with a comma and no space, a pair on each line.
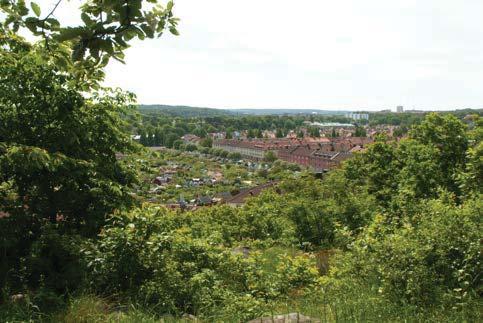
361,304
354,304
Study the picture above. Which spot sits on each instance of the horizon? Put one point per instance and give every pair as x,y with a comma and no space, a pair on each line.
315,109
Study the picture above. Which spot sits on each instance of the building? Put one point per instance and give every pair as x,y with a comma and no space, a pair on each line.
357,116
318,159
217,135
247,149
399,109
329,124
191,139
319,153
324,156
240,198
256,148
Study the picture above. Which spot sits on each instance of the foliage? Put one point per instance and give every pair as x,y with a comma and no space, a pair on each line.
360,132
58,146
207,142
448,135
58,161
158,259
432,259
105,31
270,157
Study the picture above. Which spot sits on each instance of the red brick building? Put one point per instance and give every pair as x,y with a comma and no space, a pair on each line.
319,153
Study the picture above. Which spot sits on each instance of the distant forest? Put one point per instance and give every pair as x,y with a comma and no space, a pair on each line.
183,111
189,111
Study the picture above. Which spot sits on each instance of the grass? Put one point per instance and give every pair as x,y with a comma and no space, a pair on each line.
360,304
85,309
348,302
354,305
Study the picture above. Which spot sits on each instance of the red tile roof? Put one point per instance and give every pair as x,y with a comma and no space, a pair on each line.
241,197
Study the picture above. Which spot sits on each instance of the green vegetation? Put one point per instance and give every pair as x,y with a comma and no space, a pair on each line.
163,126
393,235
214,175
183,111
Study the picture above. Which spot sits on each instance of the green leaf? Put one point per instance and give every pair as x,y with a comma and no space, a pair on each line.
87,20
54,23
35,7
174,31
69,33
170,5
147,30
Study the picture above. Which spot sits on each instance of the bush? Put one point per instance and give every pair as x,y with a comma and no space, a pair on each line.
55,264
234,156
433,259
176,264
191,147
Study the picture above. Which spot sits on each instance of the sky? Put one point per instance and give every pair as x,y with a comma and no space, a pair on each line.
320,54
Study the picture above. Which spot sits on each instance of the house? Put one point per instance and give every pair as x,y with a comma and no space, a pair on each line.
241,198
191,139
217,135
195,182
159,180
255,148
157,189
204,201
223,196
321,157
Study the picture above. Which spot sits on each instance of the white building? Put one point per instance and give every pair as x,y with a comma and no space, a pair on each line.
399,109
357,116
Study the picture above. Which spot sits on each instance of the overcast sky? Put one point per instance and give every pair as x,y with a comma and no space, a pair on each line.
337,54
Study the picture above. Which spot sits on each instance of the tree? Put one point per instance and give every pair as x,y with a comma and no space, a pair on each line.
200,132
61,133
191,147
360,132
177,144
400,131
58,146
229,133
60,171
448,135
376,170
279,133
143,138
170,139
206,142
158,136
234,156
314,132
430,261
105,31
270,156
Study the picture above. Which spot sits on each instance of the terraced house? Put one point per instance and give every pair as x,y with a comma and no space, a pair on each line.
319,153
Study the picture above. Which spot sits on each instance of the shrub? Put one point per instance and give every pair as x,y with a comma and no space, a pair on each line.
55,262
175,263
430,260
